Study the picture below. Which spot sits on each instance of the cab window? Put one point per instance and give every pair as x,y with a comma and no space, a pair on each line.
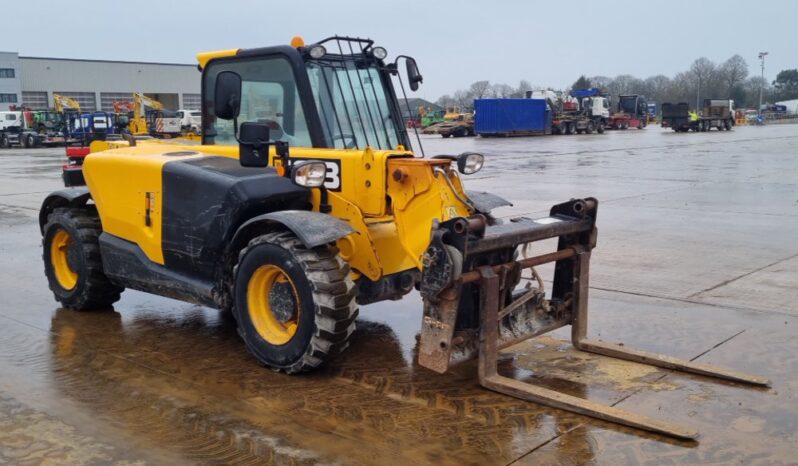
268,95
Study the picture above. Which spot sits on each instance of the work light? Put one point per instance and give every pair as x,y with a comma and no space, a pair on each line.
317,51
379,53
469,163
310,173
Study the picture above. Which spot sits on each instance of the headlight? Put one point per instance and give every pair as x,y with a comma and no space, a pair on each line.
310,174
469,163
317,51
379,53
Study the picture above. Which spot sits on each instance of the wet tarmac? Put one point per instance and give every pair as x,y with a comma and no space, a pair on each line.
697,257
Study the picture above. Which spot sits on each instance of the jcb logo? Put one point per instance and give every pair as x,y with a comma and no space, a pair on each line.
333,180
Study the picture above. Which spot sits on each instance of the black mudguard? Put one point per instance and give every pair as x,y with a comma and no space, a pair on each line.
485,201
312,228
74,197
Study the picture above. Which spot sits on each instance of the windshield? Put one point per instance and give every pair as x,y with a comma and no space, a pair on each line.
353,104
628,104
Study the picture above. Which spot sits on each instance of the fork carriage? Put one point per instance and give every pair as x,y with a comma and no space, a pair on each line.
507,316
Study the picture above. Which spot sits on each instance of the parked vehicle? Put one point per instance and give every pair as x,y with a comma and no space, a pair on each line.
461,126
190,120
17,129
292,236
631,112
431,118
717,113
652,112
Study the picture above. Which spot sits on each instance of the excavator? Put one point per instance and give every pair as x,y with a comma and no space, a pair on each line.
63,103
152,122
304,201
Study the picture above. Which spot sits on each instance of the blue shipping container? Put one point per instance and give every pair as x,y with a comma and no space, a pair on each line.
494,117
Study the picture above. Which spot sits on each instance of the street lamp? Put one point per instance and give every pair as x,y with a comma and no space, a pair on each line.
762,56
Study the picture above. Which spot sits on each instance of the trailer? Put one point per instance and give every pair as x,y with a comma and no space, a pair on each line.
511,117
717,113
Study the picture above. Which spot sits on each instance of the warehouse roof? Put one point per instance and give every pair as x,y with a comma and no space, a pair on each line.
193,65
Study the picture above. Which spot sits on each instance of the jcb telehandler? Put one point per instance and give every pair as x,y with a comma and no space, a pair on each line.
304,201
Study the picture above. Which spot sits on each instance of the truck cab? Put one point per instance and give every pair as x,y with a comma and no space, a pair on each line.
190,120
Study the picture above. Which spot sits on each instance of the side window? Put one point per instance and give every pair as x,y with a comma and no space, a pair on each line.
11,117
268,95
180,114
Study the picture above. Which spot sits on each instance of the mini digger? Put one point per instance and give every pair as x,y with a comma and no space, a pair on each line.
303,201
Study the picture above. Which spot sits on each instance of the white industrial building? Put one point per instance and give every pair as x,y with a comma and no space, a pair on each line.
95,84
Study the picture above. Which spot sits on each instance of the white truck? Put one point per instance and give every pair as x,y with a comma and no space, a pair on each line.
15,130
190,120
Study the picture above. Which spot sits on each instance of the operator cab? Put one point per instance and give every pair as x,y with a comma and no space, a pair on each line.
335,94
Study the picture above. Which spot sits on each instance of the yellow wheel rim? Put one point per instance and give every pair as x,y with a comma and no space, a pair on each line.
274,316
59,257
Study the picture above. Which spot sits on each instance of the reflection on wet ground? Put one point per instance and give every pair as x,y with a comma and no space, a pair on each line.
156,381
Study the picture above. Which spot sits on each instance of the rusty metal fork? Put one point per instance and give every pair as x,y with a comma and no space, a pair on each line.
490,378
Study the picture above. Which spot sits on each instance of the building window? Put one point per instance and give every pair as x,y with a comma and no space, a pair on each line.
7,73
8,98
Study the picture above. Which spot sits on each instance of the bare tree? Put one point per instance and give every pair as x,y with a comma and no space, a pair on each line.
733,72
501,91
479,89
622,84
520,91
656,87
752,86
703,70
602,82
463,99
446,101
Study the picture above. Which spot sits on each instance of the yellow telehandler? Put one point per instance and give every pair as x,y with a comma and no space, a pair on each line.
303,201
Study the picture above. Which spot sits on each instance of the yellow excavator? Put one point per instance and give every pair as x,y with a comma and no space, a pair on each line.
63,102
152,122
304,201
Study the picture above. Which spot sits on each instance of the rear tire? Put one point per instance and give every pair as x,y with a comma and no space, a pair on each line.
590,127
72,261
600,127
30,141
302,311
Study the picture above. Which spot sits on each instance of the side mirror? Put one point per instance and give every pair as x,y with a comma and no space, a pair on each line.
413,75
253,145
227,95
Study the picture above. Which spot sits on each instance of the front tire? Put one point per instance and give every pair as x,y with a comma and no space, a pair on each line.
295,307
72,261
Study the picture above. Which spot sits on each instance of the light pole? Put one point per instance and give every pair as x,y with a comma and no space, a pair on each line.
762,56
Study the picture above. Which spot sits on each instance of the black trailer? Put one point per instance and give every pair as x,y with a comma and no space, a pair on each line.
717,113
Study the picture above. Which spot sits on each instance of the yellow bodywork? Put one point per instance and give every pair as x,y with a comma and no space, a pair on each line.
388,197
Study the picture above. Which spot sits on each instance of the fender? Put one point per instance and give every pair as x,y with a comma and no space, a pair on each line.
71,197
485,201
312,228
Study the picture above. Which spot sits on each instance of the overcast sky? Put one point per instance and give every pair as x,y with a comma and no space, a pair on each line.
455,42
